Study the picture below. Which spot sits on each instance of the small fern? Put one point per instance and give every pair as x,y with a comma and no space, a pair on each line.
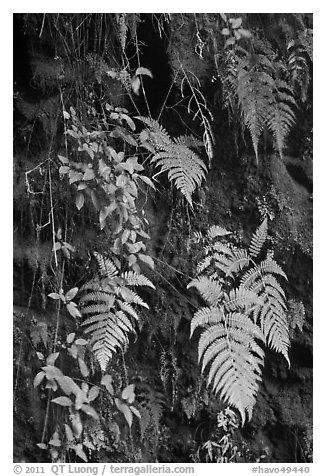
245,310
298,68
251,82
255,96
108,305
258,239
281,115
174,156
151,405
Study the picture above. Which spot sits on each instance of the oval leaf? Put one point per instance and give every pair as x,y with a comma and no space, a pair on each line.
107,382
135,85
54,295
93,393
81,342
83,368
125,410
52,358
89,411
69,433
135,411
80,199
129,393
38,379
62,401
72,309
71,294
70,338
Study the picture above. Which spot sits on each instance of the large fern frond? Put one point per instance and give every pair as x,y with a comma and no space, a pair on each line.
235,360
183,166
271,315
107,304
255,90
281,115
238,316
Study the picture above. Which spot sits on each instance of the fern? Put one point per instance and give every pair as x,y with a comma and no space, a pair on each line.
235,360
297,65
245,309
255,96
258,239
108,307
266,102
183,166
281,116
152,404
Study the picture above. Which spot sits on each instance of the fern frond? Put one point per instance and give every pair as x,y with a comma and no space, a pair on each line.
273,322
235,365
108,331
151,405
297,65
281,115
184,167
238,319
255,95
108,310
258,239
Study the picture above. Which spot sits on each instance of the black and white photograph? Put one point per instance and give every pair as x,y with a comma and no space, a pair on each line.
162,240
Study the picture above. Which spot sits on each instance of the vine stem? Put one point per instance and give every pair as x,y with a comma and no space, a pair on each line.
52,217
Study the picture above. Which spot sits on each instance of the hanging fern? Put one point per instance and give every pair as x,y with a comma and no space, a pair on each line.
245,309
174,156
255,95
251,81
281,116
297,66
151,404
108,305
